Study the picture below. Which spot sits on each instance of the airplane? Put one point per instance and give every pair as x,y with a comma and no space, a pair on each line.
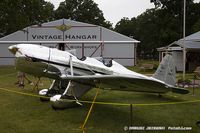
73,77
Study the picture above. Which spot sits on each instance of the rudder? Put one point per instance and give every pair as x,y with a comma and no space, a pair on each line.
166,71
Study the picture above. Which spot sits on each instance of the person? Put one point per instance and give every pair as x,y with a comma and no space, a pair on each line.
110,63
21,77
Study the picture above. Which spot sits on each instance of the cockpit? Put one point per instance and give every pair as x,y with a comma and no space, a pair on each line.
82,58
106,62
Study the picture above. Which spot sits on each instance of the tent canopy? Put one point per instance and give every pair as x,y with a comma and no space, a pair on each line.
192,42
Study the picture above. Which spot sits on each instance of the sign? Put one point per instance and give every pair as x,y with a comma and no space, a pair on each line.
66,37
63,27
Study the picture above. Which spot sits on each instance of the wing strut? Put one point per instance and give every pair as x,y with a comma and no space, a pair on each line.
71,66
68,86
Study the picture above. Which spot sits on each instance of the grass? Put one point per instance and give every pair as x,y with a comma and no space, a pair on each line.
141,62
25,114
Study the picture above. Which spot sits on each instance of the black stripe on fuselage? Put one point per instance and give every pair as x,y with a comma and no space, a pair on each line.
60,64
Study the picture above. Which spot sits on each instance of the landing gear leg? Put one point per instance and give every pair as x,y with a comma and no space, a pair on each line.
53,90
65,100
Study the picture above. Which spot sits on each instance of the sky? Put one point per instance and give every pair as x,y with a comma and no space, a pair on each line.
115,10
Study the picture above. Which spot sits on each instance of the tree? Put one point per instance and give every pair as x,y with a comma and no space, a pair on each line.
170,4
18,14
161,25
82,10
124,26
196,26
153,28
192,18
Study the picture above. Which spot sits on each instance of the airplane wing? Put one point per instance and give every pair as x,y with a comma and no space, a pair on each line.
127,83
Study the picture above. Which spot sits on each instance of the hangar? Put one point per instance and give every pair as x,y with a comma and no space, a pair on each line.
192,47
88,40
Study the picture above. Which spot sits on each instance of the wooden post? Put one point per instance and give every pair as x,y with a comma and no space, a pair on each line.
131,116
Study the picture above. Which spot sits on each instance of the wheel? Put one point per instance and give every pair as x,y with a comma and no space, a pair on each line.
198,123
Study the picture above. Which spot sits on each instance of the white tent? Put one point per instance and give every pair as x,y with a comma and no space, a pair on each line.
192,47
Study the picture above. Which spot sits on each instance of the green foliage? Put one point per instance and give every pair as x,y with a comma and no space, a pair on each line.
83,11
124,26
171,5
196,26
18,14
160,26
187,81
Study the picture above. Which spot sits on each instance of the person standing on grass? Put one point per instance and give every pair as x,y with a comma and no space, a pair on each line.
21,79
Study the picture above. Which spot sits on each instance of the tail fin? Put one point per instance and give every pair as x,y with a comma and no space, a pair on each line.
166,71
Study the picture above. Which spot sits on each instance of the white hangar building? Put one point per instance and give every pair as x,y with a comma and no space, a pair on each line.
88,40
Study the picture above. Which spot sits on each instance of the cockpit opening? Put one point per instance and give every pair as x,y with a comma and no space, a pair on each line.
109,63
82,58
105,61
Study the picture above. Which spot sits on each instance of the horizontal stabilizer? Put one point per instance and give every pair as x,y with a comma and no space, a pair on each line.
180,90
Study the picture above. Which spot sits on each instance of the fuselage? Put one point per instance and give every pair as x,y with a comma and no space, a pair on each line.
44,61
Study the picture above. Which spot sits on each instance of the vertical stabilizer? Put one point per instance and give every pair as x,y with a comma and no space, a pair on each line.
166,71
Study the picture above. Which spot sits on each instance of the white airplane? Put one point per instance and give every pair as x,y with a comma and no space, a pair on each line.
73,77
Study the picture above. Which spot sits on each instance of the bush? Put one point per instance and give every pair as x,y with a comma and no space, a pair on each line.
186,81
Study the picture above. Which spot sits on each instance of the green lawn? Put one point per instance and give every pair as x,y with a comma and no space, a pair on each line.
26,114
141,62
